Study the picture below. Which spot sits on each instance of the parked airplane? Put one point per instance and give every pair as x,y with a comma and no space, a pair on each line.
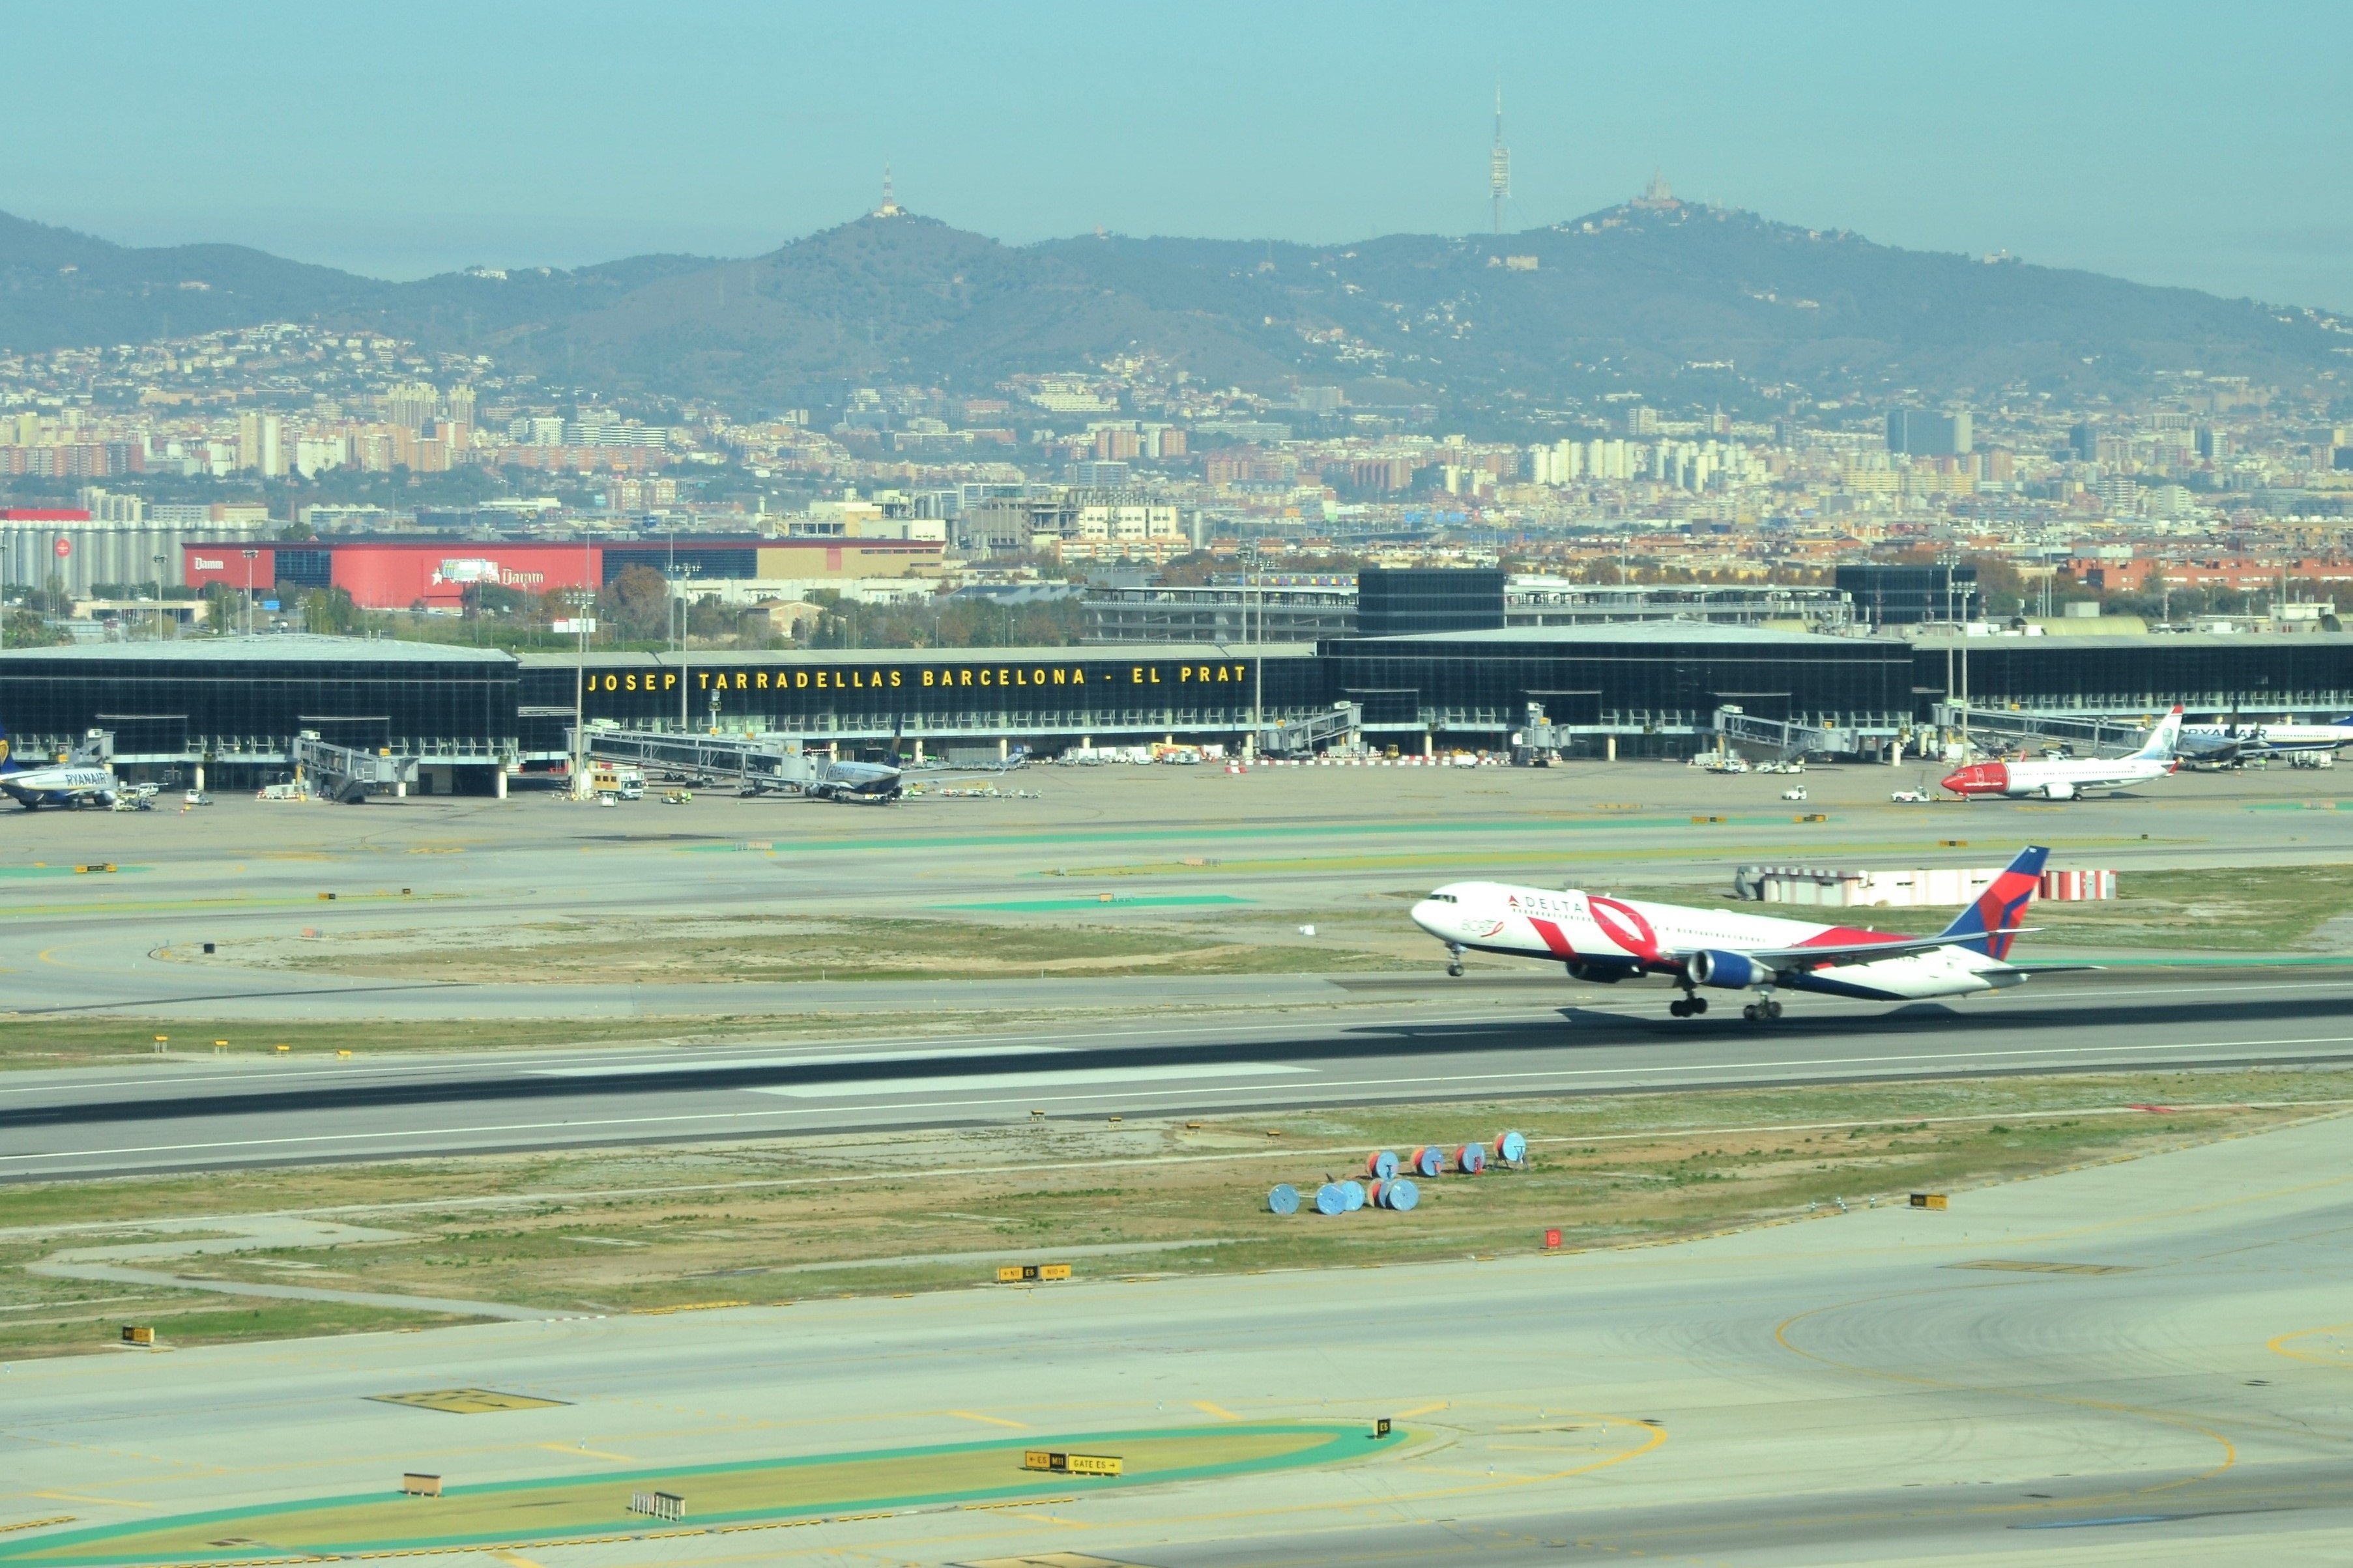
1608,940
60,783
2065,778
871,782
2228,744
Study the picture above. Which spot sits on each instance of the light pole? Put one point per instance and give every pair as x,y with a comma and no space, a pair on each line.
684,609
159,598
251,557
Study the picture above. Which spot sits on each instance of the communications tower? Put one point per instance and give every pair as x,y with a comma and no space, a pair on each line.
1499,166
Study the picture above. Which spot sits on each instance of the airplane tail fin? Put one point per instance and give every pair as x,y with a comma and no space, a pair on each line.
1992,919
8,763
2163,741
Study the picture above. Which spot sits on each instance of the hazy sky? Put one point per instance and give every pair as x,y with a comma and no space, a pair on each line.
2202,144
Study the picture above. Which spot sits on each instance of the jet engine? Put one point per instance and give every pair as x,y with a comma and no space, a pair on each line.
1730,971
2059,789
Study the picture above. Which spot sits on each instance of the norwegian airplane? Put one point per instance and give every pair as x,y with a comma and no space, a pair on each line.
1610,940
2065,778
66,783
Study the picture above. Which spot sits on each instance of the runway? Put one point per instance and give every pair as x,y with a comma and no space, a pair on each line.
1382,1039
2141,1362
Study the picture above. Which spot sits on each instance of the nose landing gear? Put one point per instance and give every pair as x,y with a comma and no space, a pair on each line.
1454,959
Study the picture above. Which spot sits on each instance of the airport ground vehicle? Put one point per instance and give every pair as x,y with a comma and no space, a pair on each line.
2066,778
1604,940
1911,796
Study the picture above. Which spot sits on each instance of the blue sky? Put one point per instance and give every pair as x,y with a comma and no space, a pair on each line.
2198,144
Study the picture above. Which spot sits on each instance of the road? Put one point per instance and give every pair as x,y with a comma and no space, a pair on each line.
2143,1363
1399,1038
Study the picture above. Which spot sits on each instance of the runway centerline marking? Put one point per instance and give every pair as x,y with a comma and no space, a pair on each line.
805,1060
1066,1078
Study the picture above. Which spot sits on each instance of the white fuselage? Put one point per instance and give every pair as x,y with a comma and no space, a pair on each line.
2258,739
2060,779
1606,939
65,782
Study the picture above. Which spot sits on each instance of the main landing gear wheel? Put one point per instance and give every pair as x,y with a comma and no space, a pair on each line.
1761,1012
1687,1006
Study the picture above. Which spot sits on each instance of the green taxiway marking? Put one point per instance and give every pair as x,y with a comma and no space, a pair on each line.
1104,903
556,1509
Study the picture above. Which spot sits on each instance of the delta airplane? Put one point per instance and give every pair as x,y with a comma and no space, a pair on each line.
2230,745
1608,940
2066,778
65,783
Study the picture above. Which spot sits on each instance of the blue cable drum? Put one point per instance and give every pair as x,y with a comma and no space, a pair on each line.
1429,1162
1511,1148
1470,1159
1381,1166
1283,1199
1377,1195
1401,1194
1330,1199
1354,1192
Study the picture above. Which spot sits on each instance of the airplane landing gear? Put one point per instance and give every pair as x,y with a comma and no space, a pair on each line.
1454,959
1689,1005
1761,1012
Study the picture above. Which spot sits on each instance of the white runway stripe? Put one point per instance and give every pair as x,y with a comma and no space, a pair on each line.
808,1059
1076,1077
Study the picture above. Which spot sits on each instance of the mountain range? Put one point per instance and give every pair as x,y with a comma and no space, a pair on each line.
1679,302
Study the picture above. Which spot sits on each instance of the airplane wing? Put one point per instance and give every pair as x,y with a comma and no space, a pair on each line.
1831,954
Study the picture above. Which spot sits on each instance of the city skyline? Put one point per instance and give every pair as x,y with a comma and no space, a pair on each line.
522,138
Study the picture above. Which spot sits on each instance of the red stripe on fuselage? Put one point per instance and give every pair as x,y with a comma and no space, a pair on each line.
1554,937
1848,936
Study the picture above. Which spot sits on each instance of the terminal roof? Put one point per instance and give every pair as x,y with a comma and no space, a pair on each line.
1611,632
1107,652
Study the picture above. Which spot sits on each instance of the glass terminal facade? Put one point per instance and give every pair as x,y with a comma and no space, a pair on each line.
1634,679
239,702
236,704
963,693
1395,602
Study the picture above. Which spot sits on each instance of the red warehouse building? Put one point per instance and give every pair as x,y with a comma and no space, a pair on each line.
399,573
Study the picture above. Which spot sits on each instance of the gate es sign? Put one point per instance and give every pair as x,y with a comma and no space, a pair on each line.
64,547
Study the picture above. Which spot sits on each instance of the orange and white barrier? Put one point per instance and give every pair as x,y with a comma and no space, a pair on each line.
2078,887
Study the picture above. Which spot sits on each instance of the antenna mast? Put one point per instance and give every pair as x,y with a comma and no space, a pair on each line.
1499,166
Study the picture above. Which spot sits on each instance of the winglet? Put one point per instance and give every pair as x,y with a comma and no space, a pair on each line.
1992,919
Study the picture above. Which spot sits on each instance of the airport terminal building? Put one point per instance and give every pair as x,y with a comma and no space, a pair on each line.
236,705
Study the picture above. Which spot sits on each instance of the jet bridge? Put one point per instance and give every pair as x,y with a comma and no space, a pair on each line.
346,774
2092,733
1344,725
753,761
1790,737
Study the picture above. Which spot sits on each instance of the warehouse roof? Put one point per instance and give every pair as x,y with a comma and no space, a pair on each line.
270,648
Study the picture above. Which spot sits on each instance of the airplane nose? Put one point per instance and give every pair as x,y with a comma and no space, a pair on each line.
1955,781
1428,914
